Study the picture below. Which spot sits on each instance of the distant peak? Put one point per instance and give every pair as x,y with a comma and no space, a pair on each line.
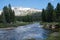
24,8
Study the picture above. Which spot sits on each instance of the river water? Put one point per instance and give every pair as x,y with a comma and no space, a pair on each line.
25,32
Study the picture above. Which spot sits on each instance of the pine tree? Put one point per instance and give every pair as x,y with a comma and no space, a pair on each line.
12,14
54,16
57,10
43,15
49,11
8,14
5,15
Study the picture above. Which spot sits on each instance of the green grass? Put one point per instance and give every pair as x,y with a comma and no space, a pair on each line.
48,23
42,23
14,24
51,37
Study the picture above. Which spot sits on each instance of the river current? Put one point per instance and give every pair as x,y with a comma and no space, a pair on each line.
25,32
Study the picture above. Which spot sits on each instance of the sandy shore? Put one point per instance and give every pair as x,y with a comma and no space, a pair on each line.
9,28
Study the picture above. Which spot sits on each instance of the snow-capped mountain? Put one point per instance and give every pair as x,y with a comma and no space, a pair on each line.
0,12
20,11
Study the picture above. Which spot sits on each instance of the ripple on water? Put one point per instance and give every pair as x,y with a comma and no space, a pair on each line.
7,35
31,31
24,32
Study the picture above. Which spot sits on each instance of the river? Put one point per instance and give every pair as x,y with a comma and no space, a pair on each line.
25,32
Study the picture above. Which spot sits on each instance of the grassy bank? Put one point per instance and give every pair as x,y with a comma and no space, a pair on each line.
47,24
42,23
55,35
2,25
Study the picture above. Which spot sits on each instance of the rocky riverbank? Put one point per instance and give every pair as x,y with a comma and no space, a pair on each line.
51,26
55,28
9,28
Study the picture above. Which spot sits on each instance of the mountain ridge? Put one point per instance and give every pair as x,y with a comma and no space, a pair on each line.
22,11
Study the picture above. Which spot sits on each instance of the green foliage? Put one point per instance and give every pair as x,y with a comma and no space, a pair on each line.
1,19
54,16
57,10
52,37
8,14
16,24
50,14
30,18
43,15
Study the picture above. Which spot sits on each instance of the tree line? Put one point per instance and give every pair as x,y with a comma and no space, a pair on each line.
51,14
30,18
8,16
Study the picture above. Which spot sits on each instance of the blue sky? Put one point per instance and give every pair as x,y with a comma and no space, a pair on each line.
39,4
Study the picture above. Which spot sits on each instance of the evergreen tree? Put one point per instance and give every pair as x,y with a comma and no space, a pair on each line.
5,15
8,14
49,11
1,19
43,15
57,10
12,14
54,16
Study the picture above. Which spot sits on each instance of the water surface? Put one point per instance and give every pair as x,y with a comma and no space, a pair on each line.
25,32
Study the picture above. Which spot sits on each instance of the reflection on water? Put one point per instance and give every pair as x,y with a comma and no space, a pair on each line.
25,32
